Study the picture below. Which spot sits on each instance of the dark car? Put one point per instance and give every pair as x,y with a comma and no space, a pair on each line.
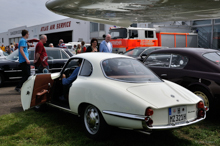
140,53
196,69
11,70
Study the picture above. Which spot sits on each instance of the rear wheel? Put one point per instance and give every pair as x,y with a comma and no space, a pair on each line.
205,95
93,123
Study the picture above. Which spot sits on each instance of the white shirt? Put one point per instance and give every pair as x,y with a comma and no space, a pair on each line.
109,46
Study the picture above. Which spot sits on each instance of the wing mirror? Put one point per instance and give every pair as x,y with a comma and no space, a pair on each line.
143,56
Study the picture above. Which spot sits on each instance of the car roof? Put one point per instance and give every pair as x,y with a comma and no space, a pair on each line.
47,48
99,56
185,50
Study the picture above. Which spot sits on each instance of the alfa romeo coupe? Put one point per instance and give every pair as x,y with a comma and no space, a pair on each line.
115,90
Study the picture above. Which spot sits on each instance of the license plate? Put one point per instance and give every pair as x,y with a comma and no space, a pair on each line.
177,114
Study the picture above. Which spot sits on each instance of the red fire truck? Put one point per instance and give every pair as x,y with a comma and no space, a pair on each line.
124,39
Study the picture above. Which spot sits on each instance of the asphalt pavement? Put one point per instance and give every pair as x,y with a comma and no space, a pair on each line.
10,100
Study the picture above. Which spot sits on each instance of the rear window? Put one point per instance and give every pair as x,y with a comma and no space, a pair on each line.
213,56
68,52
134,52
54,54
128,70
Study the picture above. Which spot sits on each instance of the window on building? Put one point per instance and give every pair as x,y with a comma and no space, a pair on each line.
216,36
201,22
204,36
149,34
217,20
93,27
2,40
86,69
101,27
133,33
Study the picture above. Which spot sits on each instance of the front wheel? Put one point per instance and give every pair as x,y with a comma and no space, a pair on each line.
93,123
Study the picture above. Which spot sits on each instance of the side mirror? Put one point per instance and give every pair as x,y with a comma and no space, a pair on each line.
143,56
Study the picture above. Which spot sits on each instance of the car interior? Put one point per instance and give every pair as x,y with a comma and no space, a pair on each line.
45,88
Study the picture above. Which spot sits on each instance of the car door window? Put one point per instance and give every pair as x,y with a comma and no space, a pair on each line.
160,60
31,55
53,54
64,56
148,51
178,61
70,67
86,69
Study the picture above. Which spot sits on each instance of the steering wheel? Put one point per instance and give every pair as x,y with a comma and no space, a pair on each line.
69,71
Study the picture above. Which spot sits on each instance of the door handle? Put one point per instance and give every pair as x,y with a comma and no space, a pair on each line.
163,75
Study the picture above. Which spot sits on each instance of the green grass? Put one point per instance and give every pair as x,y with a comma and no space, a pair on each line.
56,127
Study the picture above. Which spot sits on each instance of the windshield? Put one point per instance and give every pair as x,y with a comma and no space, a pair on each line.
118,33
13,56
134,52
214,56
129,70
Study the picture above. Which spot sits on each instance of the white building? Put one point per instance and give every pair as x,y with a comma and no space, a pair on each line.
70,30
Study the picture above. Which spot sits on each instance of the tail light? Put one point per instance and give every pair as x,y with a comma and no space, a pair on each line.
200,105
201,113
149,121
149,112
201,110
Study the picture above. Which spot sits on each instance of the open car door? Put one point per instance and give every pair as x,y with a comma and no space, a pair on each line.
36,90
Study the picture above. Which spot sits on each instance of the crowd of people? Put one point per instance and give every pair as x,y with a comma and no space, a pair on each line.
41,57
10,48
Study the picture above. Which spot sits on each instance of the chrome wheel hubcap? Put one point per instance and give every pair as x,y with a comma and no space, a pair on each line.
203,96
92,119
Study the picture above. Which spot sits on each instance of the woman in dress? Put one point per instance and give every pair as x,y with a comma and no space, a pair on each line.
93,47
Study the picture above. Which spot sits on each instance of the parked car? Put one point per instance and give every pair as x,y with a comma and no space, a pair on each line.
141,53
115,90
3,54
196,69
11,70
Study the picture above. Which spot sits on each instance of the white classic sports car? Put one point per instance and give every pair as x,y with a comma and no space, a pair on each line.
116,90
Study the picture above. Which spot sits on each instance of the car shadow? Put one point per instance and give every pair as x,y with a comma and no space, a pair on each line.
61,127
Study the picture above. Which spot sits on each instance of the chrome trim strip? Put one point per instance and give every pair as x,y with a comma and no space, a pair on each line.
15,78
125,115
12,70
62,108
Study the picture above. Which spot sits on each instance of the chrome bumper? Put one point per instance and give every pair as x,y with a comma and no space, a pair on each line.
147,128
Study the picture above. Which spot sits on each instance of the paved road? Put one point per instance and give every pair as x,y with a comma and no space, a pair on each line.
10,100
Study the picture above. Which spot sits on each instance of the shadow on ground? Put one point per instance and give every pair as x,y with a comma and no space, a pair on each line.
62,128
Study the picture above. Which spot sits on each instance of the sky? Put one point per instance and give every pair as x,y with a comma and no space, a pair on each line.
16,13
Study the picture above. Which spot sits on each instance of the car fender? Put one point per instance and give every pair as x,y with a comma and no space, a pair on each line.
107,97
